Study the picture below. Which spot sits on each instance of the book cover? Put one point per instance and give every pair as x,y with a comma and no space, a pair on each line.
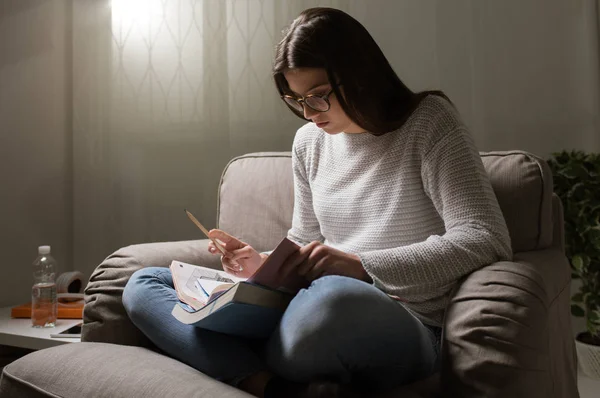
245,310
270,275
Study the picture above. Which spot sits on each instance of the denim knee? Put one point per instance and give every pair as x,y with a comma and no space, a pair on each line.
341,325
137,288
311,328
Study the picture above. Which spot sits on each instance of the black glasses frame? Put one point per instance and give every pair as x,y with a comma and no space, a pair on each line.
302,100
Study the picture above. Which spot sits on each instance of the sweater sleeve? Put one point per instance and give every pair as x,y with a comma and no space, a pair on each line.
305,225
475,235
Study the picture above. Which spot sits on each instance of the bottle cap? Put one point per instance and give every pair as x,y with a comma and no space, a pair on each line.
44,250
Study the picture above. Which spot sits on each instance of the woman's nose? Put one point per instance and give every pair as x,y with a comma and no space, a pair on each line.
309,112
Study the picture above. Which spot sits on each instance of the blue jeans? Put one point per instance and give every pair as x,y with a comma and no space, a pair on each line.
339,328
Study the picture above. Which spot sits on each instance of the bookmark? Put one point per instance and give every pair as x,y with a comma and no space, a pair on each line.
199,287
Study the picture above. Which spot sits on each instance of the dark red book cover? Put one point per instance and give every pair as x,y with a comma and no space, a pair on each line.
270,275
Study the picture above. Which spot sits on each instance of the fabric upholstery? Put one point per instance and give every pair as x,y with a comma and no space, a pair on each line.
523,185
100,370
104,318
256,198
558,223
507,328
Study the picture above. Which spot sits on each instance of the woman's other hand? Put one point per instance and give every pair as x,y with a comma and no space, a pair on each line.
316,259
240,259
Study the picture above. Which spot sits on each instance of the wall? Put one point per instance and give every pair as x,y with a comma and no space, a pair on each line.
35,134
525,75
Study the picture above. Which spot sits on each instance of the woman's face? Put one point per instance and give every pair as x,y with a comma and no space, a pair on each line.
305,81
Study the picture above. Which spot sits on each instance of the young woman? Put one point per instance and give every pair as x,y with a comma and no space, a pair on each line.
392,207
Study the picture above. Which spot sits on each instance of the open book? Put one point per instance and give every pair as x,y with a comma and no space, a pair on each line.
215,300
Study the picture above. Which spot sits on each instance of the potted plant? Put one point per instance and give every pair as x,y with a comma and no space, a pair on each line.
577,183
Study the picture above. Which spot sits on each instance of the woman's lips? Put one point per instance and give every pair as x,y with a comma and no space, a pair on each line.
321,124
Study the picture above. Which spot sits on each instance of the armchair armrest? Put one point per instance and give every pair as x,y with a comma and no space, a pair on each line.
508,330
104,317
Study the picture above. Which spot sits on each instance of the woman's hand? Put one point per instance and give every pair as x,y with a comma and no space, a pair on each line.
316,260
241,259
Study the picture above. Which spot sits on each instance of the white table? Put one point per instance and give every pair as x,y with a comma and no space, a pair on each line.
18,332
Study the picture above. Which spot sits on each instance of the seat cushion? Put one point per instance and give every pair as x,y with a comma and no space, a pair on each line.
106,370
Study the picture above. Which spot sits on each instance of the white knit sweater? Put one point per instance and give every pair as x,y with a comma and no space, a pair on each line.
415,204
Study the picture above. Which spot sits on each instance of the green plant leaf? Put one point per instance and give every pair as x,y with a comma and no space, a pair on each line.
577,263
596,323
576,191
594,237
593,328
577,311
577,298
585,297
574,171
577,184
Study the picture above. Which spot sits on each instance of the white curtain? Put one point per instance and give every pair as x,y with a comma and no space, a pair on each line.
166,92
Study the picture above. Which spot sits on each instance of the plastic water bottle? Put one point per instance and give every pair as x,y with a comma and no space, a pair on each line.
44,305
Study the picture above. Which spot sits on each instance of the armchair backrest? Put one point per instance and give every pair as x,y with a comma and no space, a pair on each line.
256,197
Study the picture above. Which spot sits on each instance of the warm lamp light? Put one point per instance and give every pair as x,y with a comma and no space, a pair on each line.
138,12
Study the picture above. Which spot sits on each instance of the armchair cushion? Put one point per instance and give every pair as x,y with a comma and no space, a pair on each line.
507,330
102,370
104,317
522,183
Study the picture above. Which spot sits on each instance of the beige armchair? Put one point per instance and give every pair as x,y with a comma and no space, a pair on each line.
507,328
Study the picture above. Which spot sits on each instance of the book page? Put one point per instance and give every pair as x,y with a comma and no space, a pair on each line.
209,285
187,278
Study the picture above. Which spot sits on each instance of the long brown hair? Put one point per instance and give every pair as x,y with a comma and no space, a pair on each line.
374,96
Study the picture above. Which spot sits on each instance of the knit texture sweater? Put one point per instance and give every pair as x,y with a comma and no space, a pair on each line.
414,204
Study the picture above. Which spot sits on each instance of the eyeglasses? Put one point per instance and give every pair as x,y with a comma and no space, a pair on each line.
319,103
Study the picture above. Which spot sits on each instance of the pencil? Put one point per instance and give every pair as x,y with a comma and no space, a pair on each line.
195,221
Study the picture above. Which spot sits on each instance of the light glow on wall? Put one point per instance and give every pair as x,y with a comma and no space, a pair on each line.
142,14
